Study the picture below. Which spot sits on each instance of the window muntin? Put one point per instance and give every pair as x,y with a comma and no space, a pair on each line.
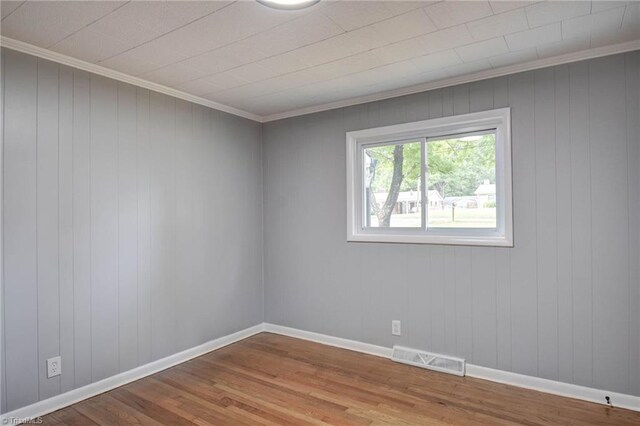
461,195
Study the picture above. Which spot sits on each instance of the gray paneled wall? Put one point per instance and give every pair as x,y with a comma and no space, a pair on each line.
133,229
563,304
132,226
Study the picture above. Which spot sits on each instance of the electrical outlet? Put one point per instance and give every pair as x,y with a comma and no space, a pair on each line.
396,329
54,367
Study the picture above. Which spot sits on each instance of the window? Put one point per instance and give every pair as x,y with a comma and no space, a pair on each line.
440,181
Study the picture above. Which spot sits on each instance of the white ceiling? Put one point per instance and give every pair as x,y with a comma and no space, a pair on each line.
266,61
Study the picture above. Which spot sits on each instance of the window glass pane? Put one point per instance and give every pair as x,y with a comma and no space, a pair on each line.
462,181
392,185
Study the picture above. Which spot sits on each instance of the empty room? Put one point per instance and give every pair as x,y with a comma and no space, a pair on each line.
306,212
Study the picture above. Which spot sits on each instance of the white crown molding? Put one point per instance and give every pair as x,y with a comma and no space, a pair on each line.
462,79
630,402
30,49
596,52
57,402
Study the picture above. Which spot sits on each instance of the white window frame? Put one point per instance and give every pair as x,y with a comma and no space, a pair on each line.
357,141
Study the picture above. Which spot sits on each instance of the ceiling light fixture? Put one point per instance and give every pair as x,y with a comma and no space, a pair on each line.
288,4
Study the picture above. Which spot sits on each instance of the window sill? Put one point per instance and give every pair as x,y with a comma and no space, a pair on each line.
484,240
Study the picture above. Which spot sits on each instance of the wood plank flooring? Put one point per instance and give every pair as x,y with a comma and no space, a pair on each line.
275,380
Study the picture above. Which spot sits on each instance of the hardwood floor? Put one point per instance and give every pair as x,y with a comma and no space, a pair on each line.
272,379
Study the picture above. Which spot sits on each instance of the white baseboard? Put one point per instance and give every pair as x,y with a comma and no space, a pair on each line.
535,383
57,402
569,390
338,342
621,400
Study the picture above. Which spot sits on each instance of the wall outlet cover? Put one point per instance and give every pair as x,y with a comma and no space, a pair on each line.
396,328
54,367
